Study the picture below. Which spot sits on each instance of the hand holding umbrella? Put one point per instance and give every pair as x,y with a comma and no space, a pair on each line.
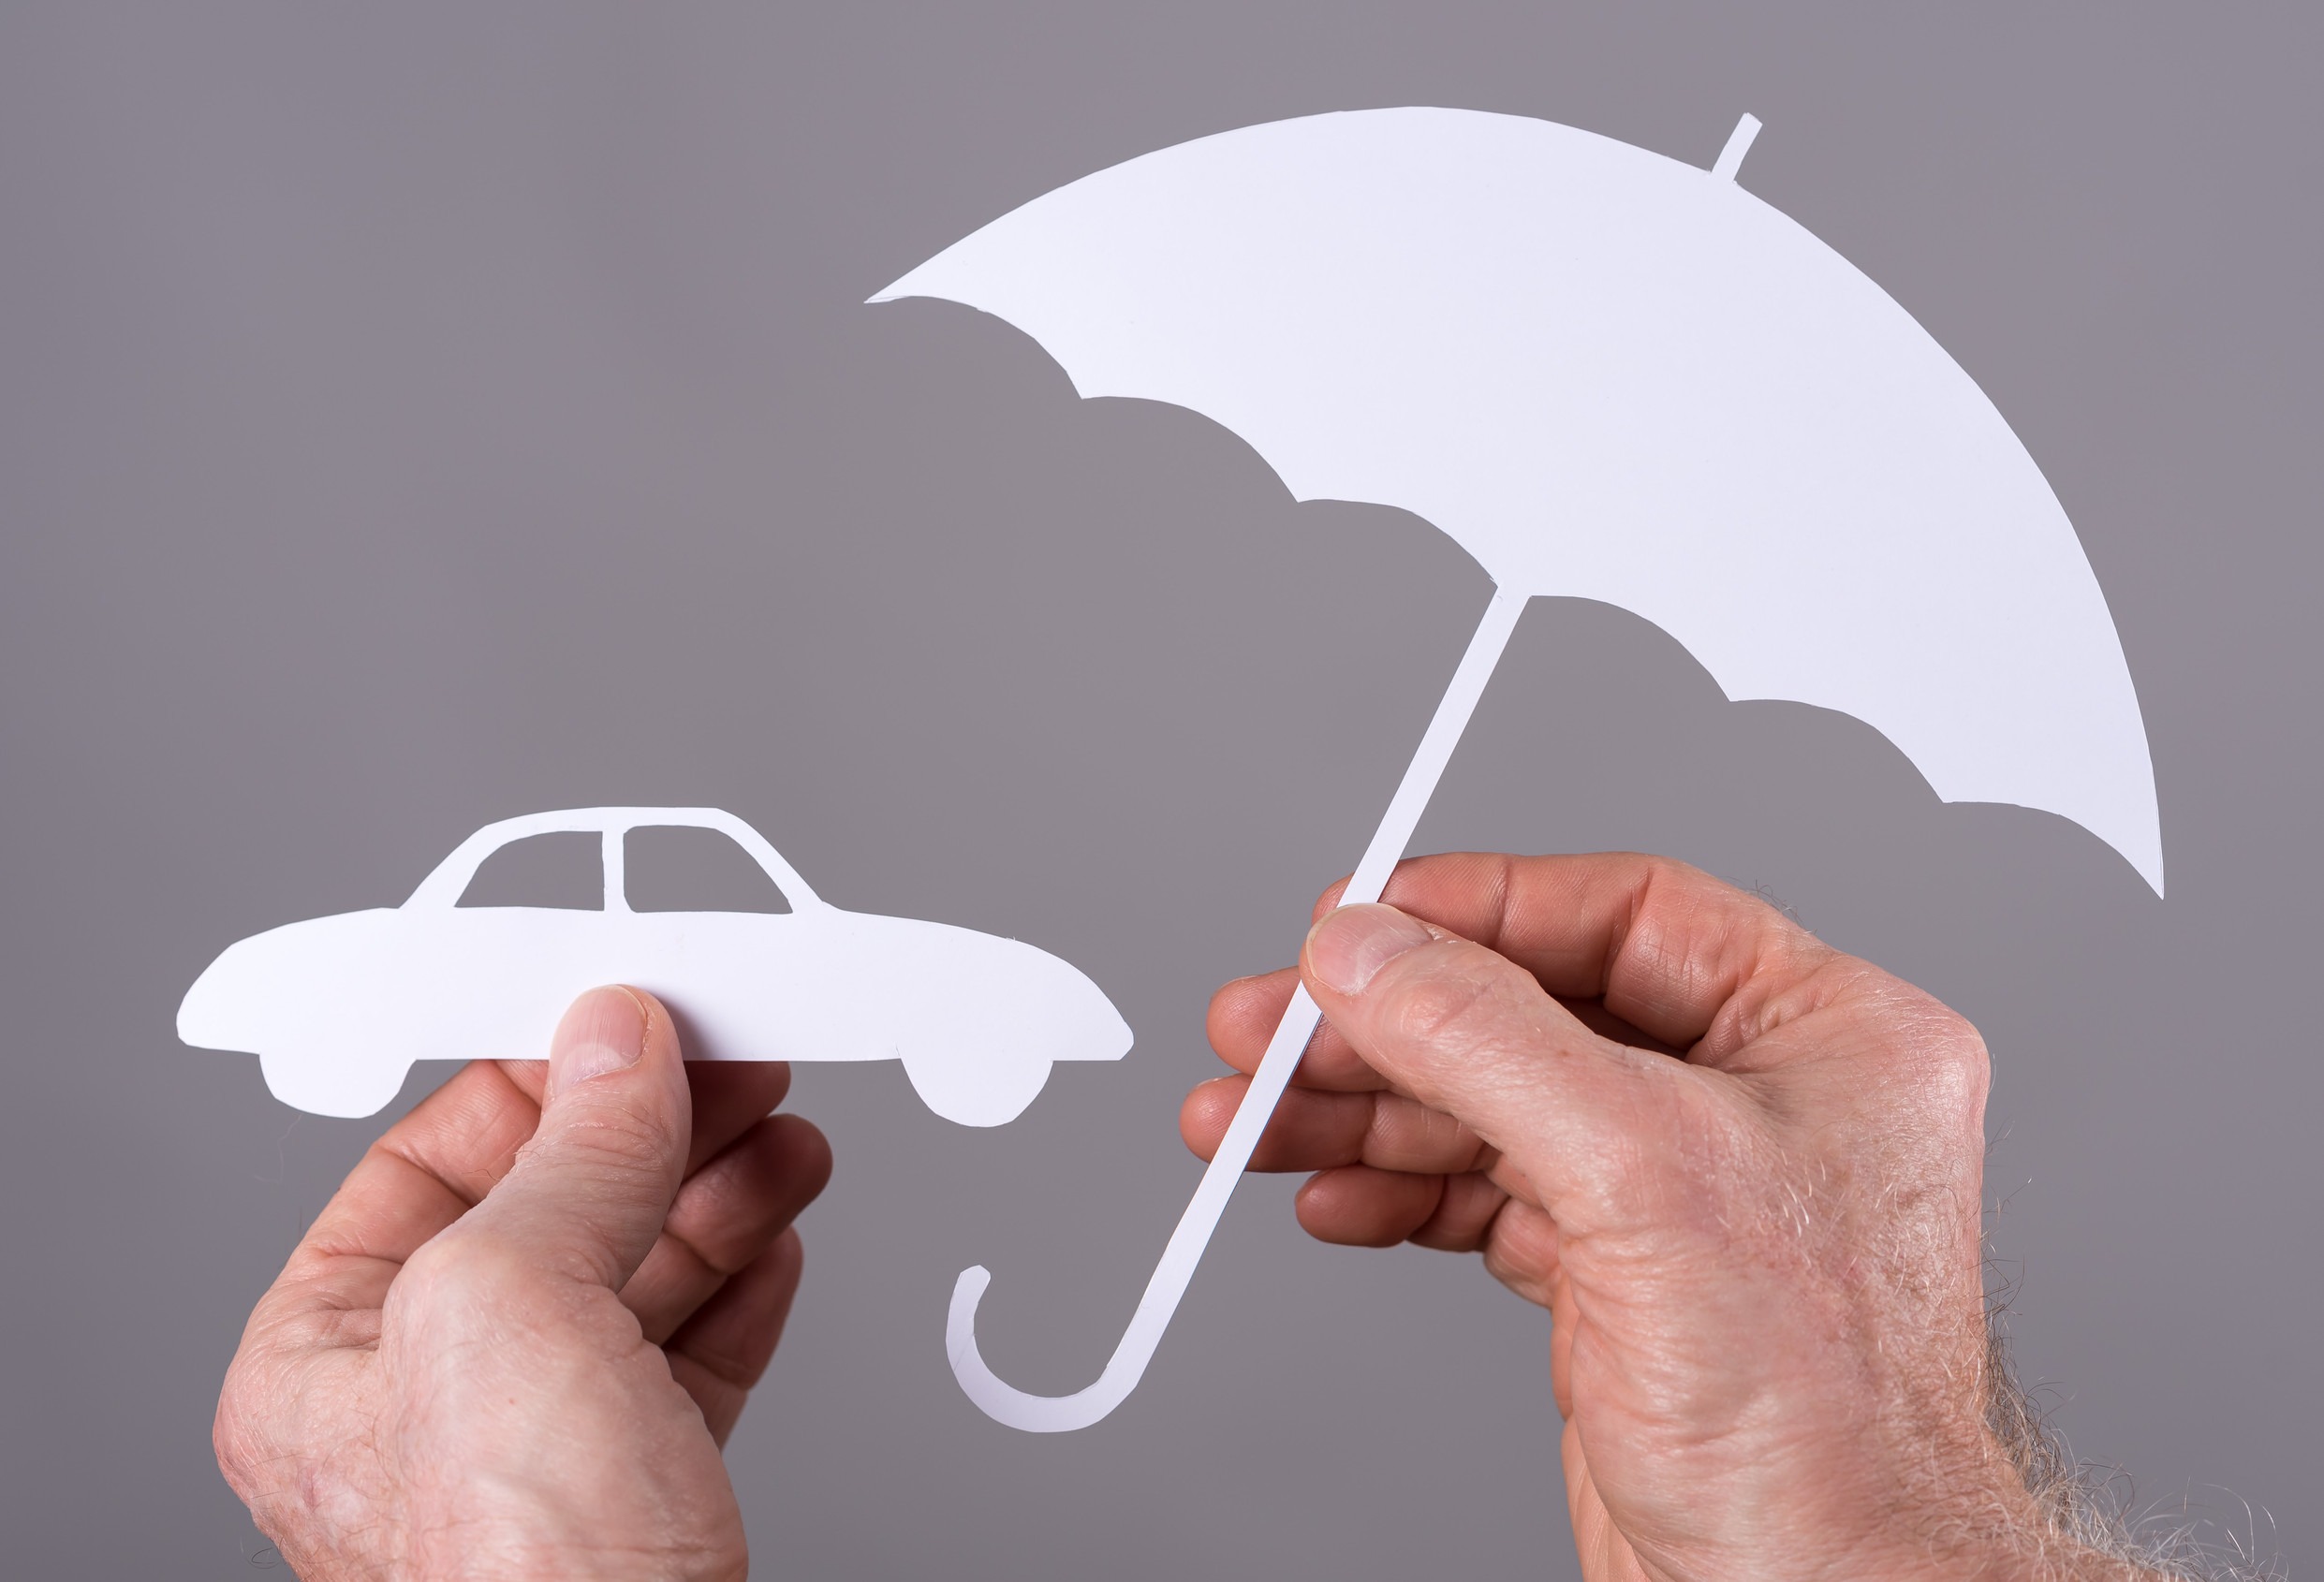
1607,375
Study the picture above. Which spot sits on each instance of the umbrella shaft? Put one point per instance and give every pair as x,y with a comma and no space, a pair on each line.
1300,1018
1435,750
1060,1414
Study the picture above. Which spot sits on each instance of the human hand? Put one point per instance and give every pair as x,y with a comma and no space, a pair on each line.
513,1342
1762,1256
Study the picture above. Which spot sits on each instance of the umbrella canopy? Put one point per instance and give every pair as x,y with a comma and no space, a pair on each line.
1610,376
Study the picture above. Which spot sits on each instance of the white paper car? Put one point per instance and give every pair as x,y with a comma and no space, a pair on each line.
337,1008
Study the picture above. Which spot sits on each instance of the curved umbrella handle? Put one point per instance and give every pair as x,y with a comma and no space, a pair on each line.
1050,1414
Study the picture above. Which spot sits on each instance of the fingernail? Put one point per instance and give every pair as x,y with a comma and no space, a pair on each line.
1349,946
605,1031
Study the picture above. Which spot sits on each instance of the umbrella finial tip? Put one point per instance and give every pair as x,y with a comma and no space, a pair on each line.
1738,144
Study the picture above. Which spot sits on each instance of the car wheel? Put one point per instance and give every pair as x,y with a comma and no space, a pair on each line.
976,1093
348,1089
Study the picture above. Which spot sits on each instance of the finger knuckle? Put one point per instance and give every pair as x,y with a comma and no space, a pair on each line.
1933,1059
465,1265
1406,1135
481,1279
1438,1009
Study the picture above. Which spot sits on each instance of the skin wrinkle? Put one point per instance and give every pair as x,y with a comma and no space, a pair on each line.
1459,1193
1770,1329
1762,1257
730,1203
779,1266
509,1414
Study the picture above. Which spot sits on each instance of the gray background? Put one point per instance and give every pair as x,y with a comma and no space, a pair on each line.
414,418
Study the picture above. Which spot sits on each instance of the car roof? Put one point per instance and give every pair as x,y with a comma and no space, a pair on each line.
451,876
607,821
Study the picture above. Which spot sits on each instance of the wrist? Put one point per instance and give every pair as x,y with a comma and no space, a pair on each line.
1994,1529
2035,1552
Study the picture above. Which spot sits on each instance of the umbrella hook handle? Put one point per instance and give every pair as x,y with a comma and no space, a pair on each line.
1036,1413
1043,1414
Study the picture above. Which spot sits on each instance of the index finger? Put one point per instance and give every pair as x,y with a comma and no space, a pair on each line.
1241,1022
1667,948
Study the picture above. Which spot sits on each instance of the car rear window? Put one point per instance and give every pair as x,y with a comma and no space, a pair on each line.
684,868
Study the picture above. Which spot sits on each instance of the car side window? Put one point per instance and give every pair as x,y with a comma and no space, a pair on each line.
685,868
564,869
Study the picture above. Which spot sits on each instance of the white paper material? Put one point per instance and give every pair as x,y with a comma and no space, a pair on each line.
1607,375
1036,1413
1610,375
337,1008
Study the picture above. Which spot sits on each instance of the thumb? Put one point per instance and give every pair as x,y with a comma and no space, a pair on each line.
1467,1032
588,1194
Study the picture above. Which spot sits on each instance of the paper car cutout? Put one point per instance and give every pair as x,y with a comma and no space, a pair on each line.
337,1008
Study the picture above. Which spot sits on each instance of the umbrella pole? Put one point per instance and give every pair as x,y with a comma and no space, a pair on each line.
1056,1414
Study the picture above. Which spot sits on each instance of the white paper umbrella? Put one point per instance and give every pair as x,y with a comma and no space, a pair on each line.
1606,375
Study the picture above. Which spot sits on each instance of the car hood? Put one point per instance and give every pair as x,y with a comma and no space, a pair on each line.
272,985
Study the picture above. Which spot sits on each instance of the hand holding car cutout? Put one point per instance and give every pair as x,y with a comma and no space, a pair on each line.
514,1341
1741,1169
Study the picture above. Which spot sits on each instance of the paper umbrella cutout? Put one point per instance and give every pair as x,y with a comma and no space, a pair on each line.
1607,375
329,1005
